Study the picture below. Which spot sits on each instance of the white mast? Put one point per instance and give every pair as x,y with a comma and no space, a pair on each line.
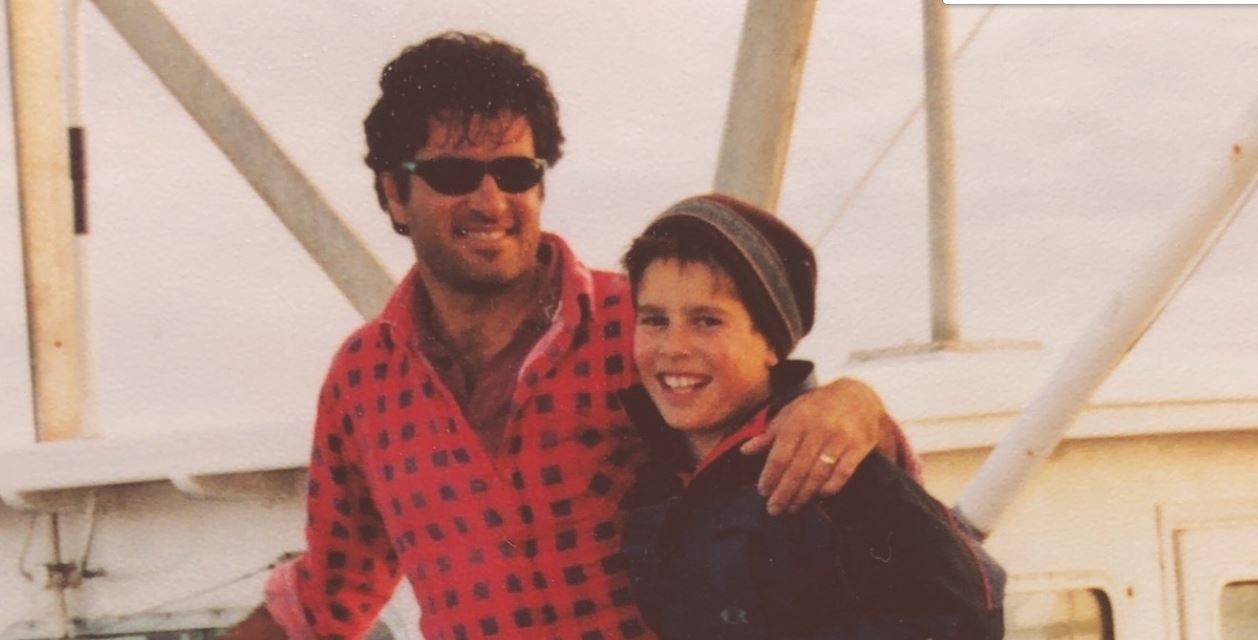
52,291
940,157
762,101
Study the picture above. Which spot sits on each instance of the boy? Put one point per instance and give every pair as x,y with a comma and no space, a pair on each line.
723,292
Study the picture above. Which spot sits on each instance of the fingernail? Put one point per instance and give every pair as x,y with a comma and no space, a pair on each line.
775,509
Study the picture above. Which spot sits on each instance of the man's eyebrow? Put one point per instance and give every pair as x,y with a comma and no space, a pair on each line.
650,308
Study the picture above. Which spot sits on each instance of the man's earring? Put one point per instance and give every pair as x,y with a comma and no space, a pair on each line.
402,228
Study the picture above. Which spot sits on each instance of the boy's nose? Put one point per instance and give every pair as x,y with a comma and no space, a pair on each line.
676,340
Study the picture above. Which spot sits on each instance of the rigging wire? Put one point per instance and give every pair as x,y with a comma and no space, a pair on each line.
860,185
81,565
26,549
282,558
58,581
83,571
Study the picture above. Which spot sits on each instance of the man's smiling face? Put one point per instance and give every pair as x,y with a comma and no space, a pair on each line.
479,242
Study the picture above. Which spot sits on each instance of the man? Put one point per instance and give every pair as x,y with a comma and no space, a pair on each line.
470,437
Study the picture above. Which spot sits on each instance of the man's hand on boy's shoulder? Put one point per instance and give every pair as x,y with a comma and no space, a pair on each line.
817,442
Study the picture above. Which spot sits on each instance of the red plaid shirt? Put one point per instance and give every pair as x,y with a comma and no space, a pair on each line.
520,544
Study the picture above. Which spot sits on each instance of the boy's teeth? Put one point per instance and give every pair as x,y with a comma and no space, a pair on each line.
681,383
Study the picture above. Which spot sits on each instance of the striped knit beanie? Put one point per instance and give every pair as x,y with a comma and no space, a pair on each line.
773,269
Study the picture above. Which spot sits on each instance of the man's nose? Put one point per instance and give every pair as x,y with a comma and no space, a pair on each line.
489,198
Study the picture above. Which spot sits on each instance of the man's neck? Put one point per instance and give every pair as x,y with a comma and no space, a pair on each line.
478,326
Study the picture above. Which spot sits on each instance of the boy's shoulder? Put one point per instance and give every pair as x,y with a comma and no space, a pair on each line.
901,549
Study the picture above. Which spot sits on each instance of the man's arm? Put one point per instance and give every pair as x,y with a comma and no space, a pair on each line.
844,420
349,568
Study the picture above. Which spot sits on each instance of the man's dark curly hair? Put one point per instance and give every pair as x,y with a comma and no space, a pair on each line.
456,75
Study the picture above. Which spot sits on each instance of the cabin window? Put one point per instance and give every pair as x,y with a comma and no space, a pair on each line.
1239,610
1073,614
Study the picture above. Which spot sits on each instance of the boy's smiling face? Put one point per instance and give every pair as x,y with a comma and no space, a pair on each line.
699,354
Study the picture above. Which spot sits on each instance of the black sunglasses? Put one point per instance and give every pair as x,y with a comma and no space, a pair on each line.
461,176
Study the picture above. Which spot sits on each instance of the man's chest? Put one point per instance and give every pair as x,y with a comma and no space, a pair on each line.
567,455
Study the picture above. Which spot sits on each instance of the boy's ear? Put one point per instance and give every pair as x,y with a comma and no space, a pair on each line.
771,359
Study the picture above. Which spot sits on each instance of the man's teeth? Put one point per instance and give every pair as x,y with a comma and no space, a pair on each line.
682,383
494,234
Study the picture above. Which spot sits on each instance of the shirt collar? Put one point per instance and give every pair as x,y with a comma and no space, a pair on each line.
751,428
567,303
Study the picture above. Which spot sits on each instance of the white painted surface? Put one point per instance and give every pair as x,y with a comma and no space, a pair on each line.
1094,513
1213,544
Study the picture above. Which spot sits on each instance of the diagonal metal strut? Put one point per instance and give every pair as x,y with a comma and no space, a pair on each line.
337,249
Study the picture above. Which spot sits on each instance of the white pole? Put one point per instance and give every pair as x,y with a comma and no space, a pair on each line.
857,189
940,154
359,275
52,293
74,60
1113,332
48,251
762,100
78,174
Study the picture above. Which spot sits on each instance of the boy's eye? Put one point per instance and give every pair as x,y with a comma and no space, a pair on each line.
707,321
652,320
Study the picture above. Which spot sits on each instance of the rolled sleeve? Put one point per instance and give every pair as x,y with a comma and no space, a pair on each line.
284,605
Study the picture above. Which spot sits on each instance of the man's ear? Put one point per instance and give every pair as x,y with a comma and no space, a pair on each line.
392,200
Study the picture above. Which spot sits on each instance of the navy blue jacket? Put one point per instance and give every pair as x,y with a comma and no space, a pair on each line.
881,560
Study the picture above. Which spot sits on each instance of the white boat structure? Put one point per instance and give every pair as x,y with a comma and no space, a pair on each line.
1034,224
